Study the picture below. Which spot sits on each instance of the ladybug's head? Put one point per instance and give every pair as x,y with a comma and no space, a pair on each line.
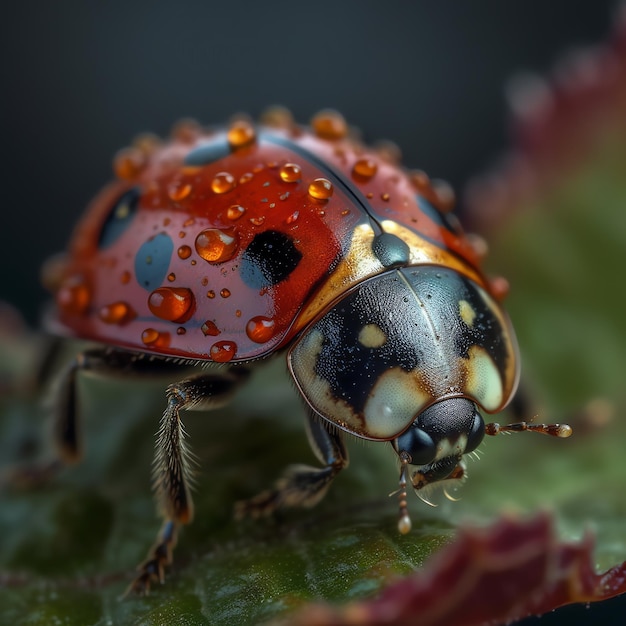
407,356
431,449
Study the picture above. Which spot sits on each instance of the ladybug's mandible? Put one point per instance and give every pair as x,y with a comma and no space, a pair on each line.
229,244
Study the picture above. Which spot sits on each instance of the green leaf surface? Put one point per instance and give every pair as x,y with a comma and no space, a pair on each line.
68,550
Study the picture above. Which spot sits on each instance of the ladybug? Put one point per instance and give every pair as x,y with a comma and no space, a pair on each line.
224,246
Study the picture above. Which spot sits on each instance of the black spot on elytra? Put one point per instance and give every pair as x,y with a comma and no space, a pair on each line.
269,258
209,153
120,217
152,261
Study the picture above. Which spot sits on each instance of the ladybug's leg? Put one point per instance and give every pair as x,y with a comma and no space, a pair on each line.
302,485
66,410
65,422
173,464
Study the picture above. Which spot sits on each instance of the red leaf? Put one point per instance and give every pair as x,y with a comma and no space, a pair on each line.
512,569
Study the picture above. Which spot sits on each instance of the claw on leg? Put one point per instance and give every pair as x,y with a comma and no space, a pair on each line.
152,570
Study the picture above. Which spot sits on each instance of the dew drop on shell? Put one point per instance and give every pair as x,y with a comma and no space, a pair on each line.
260,329
290,173
154,339
74,296
321,189
216,246
210,329
329,124
240,134
171,303
223,182
234,212
184,252
128,163
116,313
365,168
223,351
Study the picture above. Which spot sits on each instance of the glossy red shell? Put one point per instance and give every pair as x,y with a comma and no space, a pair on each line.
221,245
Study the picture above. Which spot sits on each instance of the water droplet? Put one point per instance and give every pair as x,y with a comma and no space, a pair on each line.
329,124
186,130
217,246
234,212
184,252
238,313
246,178
154,339
384,196
260,329
277,117
223,351
147,143
171,277
204,282
365,168
189,222
478,245
292,218
181,330
171,303
74,296
499,287
445,195
290,173
389,151
225,293
419,180
321,189
125,277
150,336
241,133
116,313
179,191
210,294
210,329
257,221
223,182
128,163
182,234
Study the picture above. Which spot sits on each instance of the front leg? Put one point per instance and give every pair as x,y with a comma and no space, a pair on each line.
302,485
173,465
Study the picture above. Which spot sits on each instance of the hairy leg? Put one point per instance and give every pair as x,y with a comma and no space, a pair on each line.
173,464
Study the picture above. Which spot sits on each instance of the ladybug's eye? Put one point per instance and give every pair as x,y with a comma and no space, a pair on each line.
476,435
418,444
449,428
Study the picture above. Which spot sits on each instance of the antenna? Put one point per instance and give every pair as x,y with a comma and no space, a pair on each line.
555,430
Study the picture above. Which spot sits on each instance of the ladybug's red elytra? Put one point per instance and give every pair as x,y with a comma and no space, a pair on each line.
230,244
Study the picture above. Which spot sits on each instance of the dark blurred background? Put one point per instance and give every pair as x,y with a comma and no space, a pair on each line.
80,79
